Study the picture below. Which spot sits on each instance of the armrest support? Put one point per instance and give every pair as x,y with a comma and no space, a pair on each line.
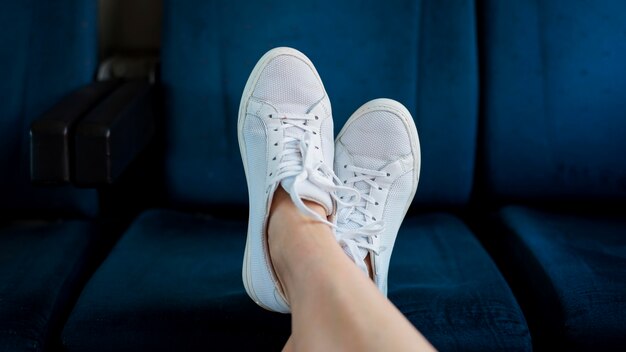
109,138
50,135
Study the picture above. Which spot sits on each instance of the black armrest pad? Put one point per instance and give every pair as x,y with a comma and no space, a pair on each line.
109,138
50,135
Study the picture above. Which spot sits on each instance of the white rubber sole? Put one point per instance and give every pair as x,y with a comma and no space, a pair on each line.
248,258
401,111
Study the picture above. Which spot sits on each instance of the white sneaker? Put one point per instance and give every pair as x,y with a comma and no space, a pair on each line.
378,153
285,135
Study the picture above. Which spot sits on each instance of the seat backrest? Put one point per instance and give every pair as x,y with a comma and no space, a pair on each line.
47,49
421,53
554,99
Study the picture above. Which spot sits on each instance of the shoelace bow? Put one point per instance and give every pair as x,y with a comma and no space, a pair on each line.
297,159
355,239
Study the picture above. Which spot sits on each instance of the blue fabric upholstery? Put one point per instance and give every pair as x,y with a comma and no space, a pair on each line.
554,124
422,53
571,273
555,112
173,282
47,49
40,264
448,287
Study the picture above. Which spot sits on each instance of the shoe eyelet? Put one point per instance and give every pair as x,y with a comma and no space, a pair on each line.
316,147
373,218
274,158
380,188
317,117
345,166
275,129
341,197
271,173
345,181
314,132
270,116
276,144
376,203
388,174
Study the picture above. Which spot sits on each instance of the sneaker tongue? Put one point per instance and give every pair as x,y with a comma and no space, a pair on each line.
360,256
308,191
297,133
366,162
362,253
363,188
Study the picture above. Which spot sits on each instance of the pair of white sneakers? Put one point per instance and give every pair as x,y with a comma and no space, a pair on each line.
365,179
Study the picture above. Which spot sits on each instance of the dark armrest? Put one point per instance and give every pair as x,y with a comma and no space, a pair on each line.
109,138
50,135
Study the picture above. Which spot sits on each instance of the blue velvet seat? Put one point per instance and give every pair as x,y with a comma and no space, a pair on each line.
443,281
554,124
174,279
44,239
40,270
574,266
174,283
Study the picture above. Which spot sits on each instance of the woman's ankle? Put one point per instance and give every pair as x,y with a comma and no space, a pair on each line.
295,241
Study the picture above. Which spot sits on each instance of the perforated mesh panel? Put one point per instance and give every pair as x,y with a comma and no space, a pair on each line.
289,84
378,138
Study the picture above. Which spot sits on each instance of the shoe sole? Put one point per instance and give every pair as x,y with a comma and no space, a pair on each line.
401,111
243,108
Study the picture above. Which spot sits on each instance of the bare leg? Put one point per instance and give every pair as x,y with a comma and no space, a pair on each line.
334,306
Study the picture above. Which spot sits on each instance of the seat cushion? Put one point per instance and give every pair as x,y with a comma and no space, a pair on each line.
173,282
442,279
47,50
419,52
569,271
40,275
554,109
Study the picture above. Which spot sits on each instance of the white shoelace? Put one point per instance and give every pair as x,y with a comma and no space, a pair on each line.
296,159
356,224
